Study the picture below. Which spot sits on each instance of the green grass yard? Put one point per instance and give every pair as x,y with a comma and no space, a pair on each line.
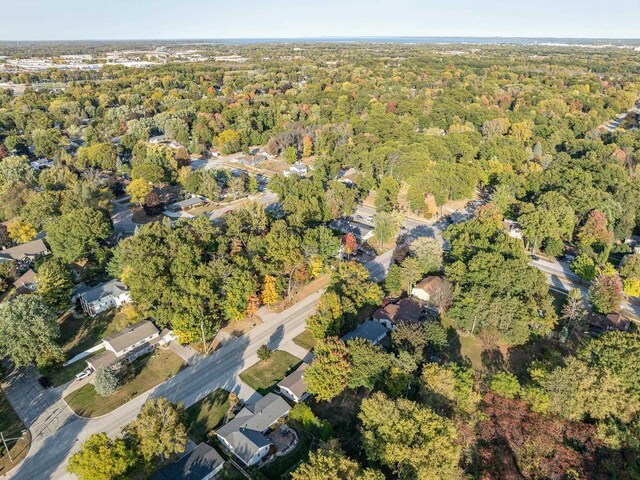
207,413
145,373
12,427
264,375
79,334
305,340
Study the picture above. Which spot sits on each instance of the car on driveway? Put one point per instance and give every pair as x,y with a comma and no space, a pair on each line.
83,374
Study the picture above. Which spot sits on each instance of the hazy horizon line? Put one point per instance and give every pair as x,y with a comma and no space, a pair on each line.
326,37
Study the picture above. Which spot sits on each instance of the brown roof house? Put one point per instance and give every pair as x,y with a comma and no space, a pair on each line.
129,343
293,385
24,254
407,310
27,282
607,323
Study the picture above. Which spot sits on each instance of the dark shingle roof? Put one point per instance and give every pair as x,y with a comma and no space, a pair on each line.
195,465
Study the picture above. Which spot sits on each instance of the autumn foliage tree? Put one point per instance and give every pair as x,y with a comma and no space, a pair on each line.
328,374
606,293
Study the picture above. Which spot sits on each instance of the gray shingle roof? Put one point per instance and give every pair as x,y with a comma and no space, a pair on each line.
112,287
369,330
195,465
360,230
244,431
131,335
295,381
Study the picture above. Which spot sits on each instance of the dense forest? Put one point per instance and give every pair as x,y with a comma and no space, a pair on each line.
422,126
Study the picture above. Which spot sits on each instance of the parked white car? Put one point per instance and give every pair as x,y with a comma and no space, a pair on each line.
83,374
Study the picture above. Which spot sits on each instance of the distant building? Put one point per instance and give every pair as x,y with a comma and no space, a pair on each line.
298,168
164,140
201,463
187,204
41,164
129,343
407,310
608,323
244,436
369,330
104,296
25,254
513,228
293,385
361,231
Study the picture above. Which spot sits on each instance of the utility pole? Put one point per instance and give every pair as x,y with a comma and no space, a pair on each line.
4,442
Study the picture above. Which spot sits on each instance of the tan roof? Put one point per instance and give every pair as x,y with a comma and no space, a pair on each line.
29,249
295,381
29,277
429,284
102,359
131,335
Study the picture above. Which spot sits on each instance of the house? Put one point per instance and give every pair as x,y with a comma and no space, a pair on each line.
164,140
293,385
406,310
24,255
41,164
244,436
607,323
369,330
298,168
129,343
27,282
427,287
513,228
187,204
201,463
361,231
104,296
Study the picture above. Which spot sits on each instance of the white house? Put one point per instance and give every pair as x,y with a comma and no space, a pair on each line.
513,228
129,343
298,168
293,385
244,436
105,296
41,164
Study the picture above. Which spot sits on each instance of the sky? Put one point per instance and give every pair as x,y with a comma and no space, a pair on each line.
218,19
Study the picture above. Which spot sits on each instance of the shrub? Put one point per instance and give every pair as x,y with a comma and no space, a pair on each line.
554,247
506,385
106,381
264,352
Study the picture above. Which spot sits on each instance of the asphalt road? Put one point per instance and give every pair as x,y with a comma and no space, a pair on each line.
58,432
560,277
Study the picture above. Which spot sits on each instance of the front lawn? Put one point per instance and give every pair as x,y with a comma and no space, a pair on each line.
263,376
12,427
143,374
79,334
68,373
206,414
305,340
